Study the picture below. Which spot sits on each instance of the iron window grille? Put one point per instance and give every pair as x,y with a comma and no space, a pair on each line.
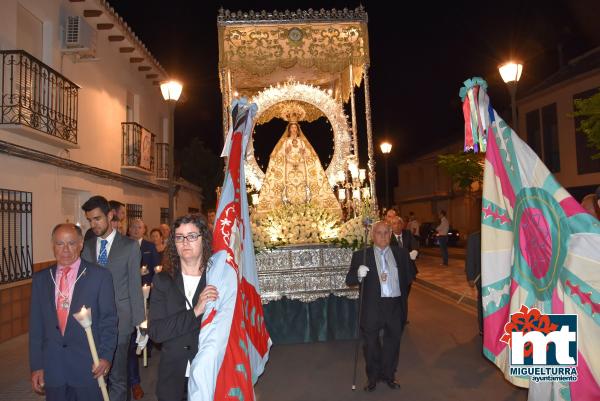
17,244
134,211
164,215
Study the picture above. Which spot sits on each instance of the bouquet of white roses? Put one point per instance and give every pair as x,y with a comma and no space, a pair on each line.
294,224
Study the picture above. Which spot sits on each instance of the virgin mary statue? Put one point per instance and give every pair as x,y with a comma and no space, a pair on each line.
295,175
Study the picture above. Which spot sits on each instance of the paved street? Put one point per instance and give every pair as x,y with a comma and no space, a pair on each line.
440,356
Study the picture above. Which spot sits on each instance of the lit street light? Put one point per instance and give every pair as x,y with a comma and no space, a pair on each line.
511,73
171,90
386,148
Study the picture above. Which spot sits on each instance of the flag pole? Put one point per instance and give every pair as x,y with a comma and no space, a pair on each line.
366,223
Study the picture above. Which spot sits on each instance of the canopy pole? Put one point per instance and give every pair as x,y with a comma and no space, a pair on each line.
225,97
354,129
229,100
370,136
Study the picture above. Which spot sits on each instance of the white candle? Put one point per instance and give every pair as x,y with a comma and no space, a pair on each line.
84,317
255,199
362,174
341,194
146,291
356,193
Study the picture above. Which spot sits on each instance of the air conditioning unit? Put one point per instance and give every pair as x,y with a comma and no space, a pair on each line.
79,38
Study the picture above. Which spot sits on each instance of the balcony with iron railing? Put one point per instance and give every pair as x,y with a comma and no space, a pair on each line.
138,148
162,161
36,100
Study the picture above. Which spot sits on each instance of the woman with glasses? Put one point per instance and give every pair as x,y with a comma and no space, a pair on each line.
179,298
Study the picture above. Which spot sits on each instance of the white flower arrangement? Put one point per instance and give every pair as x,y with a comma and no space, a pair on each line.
294,224
352,232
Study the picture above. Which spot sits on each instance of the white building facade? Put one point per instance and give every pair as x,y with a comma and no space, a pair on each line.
81,115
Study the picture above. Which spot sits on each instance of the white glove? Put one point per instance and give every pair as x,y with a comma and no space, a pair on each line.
141,340
362,272
413,254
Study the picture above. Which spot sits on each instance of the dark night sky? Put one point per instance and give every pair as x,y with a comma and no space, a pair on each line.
420,54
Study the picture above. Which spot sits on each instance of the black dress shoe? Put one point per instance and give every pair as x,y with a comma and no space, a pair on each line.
370,387
393,384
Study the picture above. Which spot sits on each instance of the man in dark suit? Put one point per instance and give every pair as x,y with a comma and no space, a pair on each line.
473,271
59,354
121,256
403,238
384,274
150,257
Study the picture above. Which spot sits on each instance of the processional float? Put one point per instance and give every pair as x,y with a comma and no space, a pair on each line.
300,66
309,60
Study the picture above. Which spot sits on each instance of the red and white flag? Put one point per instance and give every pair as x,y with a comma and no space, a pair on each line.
234,343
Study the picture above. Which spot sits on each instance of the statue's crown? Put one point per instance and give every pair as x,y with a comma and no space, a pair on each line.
293,112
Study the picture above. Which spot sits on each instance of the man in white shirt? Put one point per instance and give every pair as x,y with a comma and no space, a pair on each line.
442,234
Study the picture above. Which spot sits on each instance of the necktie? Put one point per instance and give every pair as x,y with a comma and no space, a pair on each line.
62,306
385,285
103,255
399,238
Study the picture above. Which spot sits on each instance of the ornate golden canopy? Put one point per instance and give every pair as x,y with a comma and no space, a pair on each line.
315,47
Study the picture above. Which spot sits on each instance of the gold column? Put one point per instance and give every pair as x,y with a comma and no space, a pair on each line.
369,136
229,100
354,129
224,96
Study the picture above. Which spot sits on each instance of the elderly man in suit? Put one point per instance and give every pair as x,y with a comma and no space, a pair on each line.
59,355
383,272
120,256
403,238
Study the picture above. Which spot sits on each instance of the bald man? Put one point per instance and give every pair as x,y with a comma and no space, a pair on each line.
59,354
384,275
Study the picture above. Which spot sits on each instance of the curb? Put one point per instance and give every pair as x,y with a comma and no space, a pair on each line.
451,294
436,252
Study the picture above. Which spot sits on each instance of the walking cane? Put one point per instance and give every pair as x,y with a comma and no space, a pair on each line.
367,222
464,294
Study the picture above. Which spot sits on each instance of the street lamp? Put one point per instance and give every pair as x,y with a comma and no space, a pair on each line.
171,90
386,148
511,73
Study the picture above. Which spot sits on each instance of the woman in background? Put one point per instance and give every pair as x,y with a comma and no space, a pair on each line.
157,238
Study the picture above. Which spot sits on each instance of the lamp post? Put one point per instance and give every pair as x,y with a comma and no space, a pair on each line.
171,90
511,73
386,148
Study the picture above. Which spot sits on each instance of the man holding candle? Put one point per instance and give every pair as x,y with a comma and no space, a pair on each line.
59,354
121,257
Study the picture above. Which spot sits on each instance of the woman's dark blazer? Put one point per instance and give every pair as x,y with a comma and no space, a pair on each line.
177,328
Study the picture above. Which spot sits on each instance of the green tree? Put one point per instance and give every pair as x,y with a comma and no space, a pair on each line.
463,168
202,167
589,111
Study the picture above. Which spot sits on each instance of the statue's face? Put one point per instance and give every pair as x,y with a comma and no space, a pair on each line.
293,130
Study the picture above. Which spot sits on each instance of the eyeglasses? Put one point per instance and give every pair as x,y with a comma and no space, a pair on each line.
191,237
